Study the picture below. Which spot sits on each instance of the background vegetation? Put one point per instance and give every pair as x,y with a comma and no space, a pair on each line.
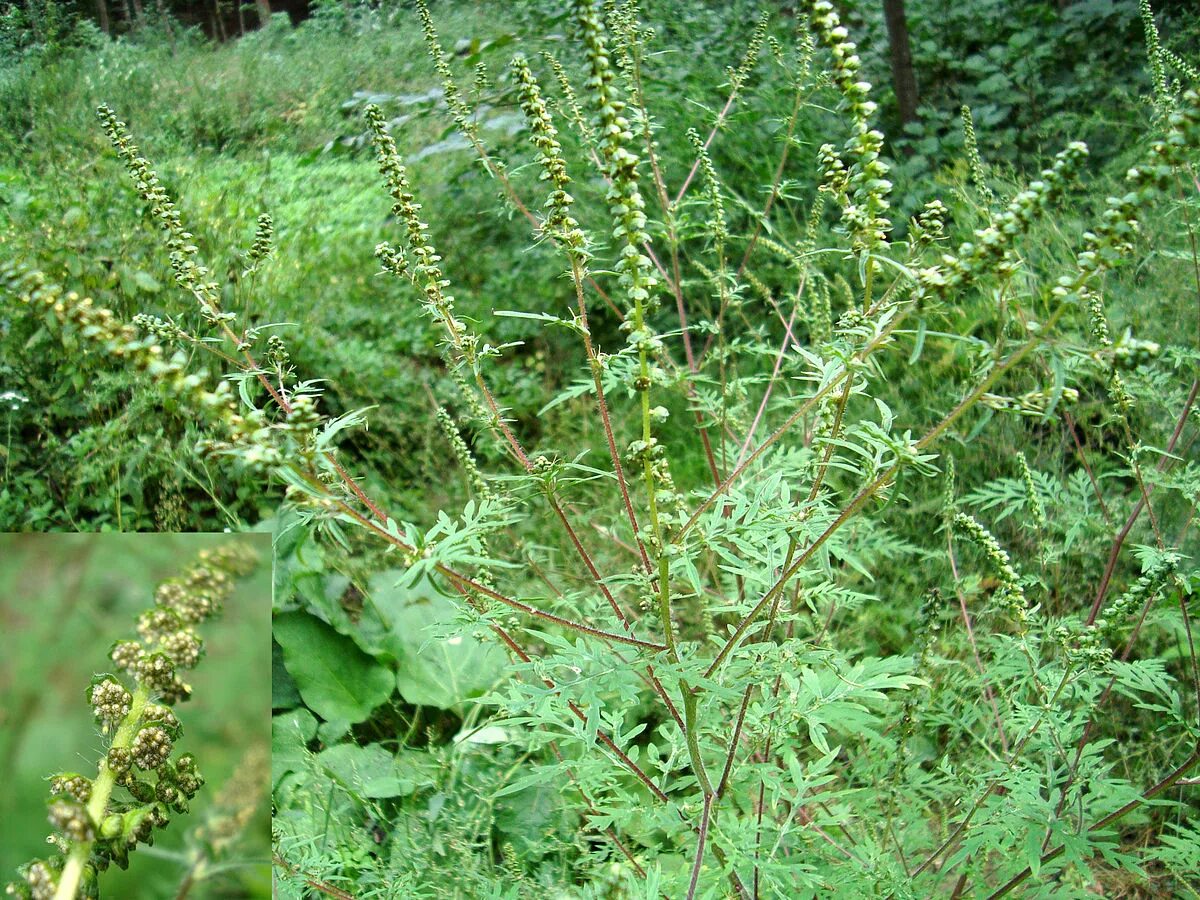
272,123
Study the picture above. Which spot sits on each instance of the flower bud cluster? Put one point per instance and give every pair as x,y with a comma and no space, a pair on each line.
1190,73
716,224
929,225
264,243
463,456
151,747
847,64
1155,57
110,701
392,259
1130,352
1031,403
70,819
250,436
459,108
1010,596
425,270
673,508
1097,320
73,785
626,204
163,330
569,107
1147,588
1037,509
189,274
974,163
864,186
739,76
277,356
1083,646
544,136
993,250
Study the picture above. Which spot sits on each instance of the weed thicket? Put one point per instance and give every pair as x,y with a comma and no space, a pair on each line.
706,589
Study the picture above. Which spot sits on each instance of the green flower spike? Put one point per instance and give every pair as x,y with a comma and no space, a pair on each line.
97,822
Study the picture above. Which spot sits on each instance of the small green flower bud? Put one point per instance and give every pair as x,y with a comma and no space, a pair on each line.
151,747
162,715
141,791
42,879
109,700
69,818
166,792
183,647
119,759
126,655
111,827
154,623
73,785
157,671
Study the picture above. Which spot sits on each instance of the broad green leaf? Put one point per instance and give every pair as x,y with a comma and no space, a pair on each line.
283,687
335,678
290,731
525,817
374,772
432,669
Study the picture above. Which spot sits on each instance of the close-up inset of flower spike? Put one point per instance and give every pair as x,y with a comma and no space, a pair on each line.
140,780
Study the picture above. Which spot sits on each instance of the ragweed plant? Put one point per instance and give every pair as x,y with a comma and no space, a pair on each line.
689,596
141,780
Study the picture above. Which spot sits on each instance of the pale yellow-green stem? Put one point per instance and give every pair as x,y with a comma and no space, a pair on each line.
102,788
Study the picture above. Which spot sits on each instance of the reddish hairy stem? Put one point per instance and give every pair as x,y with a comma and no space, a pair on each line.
1163,785
464,581
966,617
703,837
762,406
787,146
549,682
317,885
1119,540
708,140
620,754
602,404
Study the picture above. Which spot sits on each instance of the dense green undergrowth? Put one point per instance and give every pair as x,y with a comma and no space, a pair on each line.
872,577
272,123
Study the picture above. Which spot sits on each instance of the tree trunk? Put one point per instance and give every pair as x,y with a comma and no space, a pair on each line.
904,82
137,12
102,15
35,20
264,11
165,19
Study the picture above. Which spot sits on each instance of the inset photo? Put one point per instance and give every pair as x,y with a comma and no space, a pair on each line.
135,698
